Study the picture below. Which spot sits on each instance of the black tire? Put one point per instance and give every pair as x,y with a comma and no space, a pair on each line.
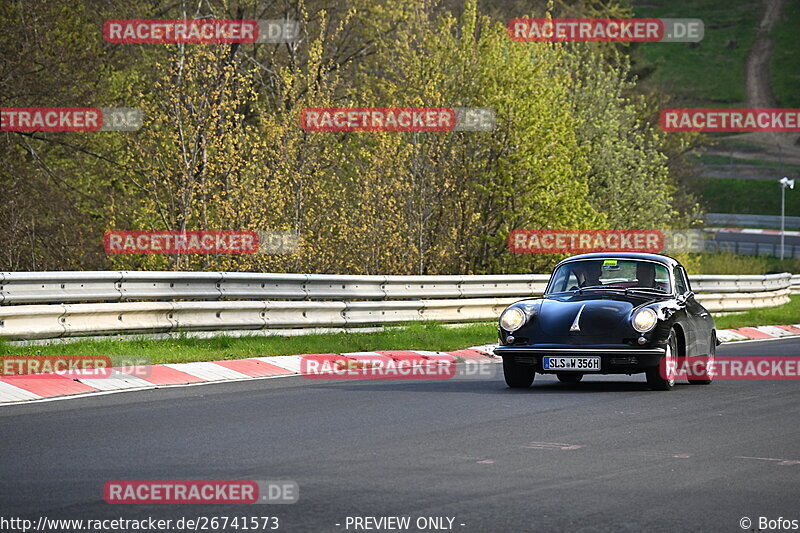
654,378
705,378
518,376
569,377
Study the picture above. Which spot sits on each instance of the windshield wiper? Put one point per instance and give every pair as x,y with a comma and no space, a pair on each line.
619,289
652,289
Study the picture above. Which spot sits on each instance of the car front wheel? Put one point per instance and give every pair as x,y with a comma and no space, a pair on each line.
518,376
706,376
662,377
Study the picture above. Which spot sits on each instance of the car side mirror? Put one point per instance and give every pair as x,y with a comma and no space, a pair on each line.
683,298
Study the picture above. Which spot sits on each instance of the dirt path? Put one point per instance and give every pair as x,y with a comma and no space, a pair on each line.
779,147
759,93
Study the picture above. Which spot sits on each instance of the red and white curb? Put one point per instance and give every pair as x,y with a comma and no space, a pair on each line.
755,231
44,387
758,333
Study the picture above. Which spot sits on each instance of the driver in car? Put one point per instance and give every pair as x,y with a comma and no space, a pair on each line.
590,271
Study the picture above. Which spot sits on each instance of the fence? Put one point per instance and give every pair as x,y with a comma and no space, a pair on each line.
753,248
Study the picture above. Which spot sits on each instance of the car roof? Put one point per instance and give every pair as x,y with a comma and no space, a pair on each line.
623,255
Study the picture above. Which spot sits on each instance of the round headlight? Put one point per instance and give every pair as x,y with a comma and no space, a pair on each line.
644,320
512,319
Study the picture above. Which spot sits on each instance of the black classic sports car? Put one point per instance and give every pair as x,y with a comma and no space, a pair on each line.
622,313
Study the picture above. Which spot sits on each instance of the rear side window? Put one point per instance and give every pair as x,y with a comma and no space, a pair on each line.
681,284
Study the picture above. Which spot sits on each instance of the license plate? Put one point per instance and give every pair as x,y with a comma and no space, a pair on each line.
577,364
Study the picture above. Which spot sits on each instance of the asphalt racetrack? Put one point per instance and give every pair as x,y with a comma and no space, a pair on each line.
605,455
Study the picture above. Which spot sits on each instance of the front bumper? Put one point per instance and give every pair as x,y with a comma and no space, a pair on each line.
613,359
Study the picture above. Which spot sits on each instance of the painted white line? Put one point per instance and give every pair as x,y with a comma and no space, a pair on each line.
485,348
774,331
783,462
552,446
726,335
207,371
288,362
758,340
10,393
117,380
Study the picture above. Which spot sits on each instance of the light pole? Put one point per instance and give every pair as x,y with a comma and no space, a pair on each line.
785,182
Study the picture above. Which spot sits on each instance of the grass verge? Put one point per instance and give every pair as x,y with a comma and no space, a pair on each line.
424,336
785,314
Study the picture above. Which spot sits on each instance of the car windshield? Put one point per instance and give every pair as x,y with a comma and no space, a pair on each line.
609,274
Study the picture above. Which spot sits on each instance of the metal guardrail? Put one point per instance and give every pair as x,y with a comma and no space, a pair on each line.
710,283
731,302
67,320
57,304
721,293
127,286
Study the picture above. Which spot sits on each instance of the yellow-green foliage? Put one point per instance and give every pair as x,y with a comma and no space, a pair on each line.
221,147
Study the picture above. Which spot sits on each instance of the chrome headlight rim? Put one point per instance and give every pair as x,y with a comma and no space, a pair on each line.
649,320
523,318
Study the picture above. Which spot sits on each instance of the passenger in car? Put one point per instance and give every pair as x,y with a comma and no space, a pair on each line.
593,270
645,275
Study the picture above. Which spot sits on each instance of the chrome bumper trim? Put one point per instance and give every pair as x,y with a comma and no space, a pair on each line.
610,351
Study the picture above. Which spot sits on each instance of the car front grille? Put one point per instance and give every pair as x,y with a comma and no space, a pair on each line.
630,360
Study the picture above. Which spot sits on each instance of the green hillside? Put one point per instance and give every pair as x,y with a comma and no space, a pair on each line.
711,73
752,197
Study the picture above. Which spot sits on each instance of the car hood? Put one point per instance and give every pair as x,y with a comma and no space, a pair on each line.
597,316
604,317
